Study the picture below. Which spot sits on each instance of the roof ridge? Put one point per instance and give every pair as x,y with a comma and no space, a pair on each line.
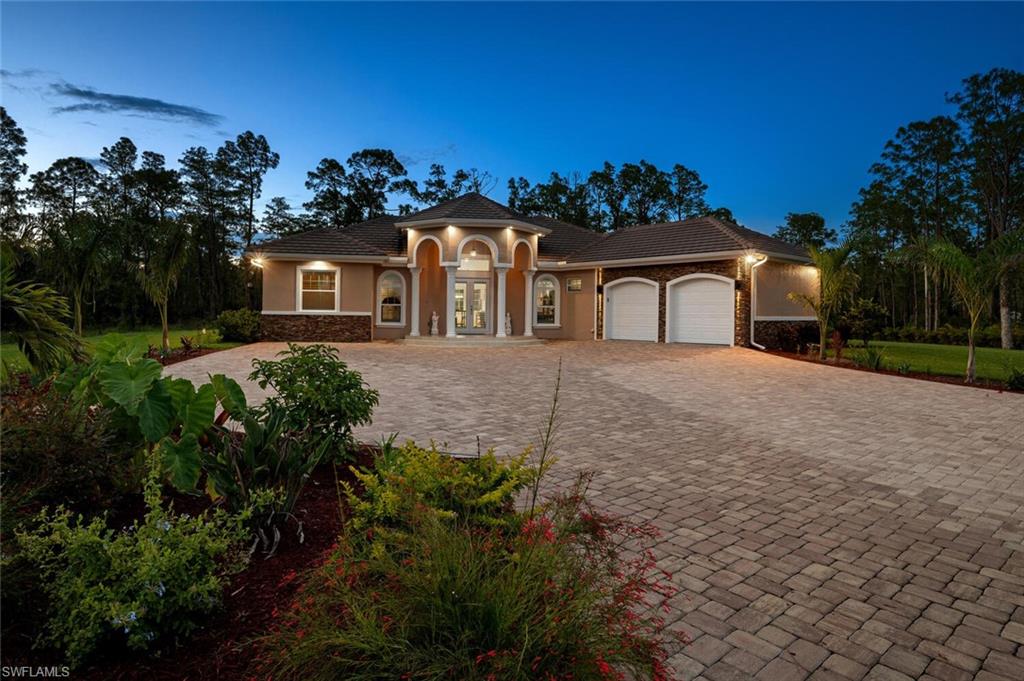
728,230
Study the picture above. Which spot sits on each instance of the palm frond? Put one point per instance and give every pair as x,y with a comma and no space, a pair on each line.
32,316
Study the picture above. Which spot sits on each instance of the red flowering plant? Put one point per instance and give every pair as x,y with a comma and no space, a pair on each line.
557,591
573,594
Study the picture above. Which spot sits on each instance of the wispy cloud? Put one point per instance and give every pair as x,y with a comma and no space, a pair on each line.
15,79
20,73
428,155
94,101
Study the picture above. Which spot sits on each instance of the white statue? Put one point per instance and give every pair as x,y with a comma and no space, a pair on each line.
433,323
508,324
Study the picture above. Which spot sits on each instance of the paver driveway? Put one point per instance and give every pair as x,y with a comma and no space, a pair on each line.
823,523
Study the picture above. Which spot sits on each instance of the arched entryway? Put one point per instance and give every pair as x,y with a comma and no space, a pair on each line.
520,280
428,287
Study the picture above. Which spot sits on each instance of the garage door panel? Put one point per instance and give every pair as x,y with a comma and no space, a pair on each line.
701,311
631,309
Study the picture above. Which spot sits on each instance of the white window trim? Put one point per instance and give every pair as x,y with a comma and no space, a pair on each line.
558,302
298,288
401,317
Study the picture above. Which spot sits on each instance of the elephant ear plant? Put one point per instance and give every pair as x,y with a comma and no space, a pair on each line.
168,416
259,471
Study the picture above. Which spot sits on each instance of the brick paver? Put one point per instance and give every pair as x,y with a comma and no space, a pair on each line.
823,523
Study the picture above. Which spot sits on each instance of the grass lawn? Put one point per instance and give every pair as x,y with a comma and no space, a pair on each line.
151,335
949,360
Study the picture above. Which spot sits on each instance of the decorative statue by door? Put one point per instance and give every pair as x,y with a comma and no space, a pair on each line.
433,323
508,324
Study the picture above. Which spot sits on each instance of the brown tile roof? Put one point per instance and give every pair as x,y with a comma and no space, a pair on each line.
471,206
688,237
381,237
564,238
380,233
325,242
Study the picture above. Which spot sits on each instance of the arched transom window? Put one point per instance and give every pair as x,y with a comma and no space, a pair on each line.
545,301
391,299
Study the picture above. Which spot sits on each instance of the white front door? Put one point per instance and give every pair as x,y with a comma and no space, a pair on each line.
631,311
701,310
471,307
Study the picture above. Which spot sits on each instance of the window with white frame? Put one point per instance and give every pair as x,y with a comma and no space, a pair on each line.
390,299
545,308
318,290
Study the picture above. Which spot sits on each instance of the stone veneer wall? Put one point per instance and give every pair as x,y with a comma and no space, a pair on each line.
322,328
733,269
791,336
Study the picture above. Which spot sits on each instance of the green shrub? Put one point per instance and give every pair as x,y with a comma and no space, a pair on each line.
1015,379
138,586
475,491
239,325
318,392
871,357
263,472
903,368
861,320
57,452
986,337
557,596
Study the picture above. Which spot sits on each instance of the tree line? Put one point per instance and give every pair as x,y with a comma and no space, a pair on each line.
125,231
956,178
97,230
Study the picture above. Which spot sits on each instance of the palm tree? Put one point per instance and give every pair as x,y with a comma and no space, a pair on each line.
31,316
836,284
159,276
76,245
974,279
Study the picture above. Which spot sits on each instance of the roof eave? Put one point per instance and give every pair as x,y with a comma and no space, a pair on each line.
660,259
332,257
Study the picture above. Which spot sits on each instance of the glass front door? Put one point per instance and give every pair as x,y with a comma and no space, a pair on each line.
471,307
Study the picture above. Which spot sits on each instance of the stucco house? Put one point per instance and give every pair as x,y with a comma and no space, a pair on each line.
475,263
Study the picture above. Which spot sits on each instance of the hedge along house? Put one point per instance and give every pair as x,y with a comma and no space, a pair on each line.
475,263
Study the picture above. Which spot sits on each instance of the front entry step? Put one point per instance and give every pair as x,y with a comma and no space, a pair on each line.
472,341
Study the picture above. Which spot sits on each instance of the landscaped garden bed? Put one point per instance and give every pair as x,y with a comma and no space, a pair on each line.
996,369
186,343
157,529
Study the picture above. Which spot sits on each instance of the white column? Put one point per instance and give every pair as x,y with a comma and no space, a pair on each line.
528,314
502,270
414,301
449,316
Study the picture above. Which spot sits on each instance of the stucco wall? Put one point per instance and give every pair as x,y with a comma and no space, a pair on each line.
576,308
662,274
357,284
503,238
775,280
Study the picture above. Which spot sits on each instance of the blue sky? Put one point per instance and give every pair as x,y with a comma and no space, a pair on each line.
780,107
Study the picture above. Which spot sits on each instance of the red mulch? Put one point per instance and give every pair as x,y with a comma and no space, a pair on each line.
983,383
180,355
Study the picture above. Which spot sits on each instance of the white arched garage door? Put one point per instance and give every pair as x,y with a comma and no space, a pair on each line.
631,309
700,308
